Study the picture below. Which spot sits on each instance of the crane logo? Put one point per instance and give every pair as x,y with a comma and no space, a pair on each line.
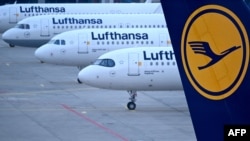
215,51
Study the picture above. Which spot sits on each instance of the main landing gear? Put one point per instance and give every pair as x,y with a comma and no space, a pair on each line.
131,105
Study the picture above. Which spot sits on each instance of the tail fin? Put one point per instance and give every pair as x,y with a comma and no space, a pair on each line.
219,95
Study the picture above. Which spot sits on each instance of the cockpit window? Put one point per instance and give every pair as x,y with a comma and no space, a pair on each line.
62,42
57,42
105,62
23,26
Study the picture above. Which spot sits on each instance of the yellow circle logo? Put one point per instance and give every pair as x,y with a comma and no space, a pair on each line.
215,51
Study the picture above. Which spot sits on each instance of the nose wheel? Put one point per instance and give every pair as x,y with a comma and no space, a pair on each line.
131,105
11,45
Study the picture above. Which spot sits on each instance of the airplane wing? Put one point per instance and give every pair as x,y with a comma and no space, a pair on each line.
218,96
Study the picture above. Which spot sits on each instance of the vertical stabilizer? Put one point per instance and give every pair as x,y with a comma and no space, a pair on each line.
211,43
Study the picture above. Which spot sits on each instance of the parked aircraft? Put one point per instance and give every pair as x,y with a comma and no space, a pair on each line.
36,31
81,47
134,69
211,44
10,14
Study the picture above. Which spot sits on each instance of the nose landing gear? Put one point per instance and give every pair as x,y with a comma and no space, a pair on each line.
131,105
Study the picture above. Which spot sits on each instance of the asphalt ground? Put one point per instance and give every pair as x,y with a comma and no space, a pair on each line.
44,102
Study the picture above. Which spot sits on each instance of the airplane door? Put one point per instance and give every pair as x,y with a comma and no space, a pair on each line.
83,43
133,67
13,15
163,39
44,27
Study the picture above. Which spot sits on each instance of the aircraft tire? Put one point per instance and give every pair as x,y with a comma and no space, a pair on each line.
131,106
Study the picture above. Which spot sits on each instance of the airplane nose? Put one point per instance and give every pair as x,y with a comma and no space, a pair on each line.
8,36
5,35
82,76
41,54
85,75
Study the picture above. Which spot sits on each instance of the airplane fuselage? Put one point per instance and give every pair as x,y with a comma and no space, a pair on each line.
11,14
36,31
82,47
131,70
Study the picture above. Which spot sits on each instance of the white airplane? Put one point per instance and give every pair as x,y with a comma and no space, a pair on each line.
82,47
10,14
36,31
134,69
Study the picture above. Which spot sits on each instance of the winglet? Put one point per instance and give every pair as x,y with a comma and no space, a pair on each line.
218,96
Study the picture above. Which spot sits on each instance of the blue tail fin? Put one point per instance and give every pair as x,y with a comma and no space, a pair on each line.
214,34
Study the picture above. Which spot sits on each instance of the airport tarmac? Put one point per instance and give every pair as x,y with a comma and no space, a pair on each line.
44,102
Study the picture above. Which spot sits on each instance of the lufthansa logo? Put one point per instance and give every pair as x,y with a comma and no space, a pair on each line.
215,51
